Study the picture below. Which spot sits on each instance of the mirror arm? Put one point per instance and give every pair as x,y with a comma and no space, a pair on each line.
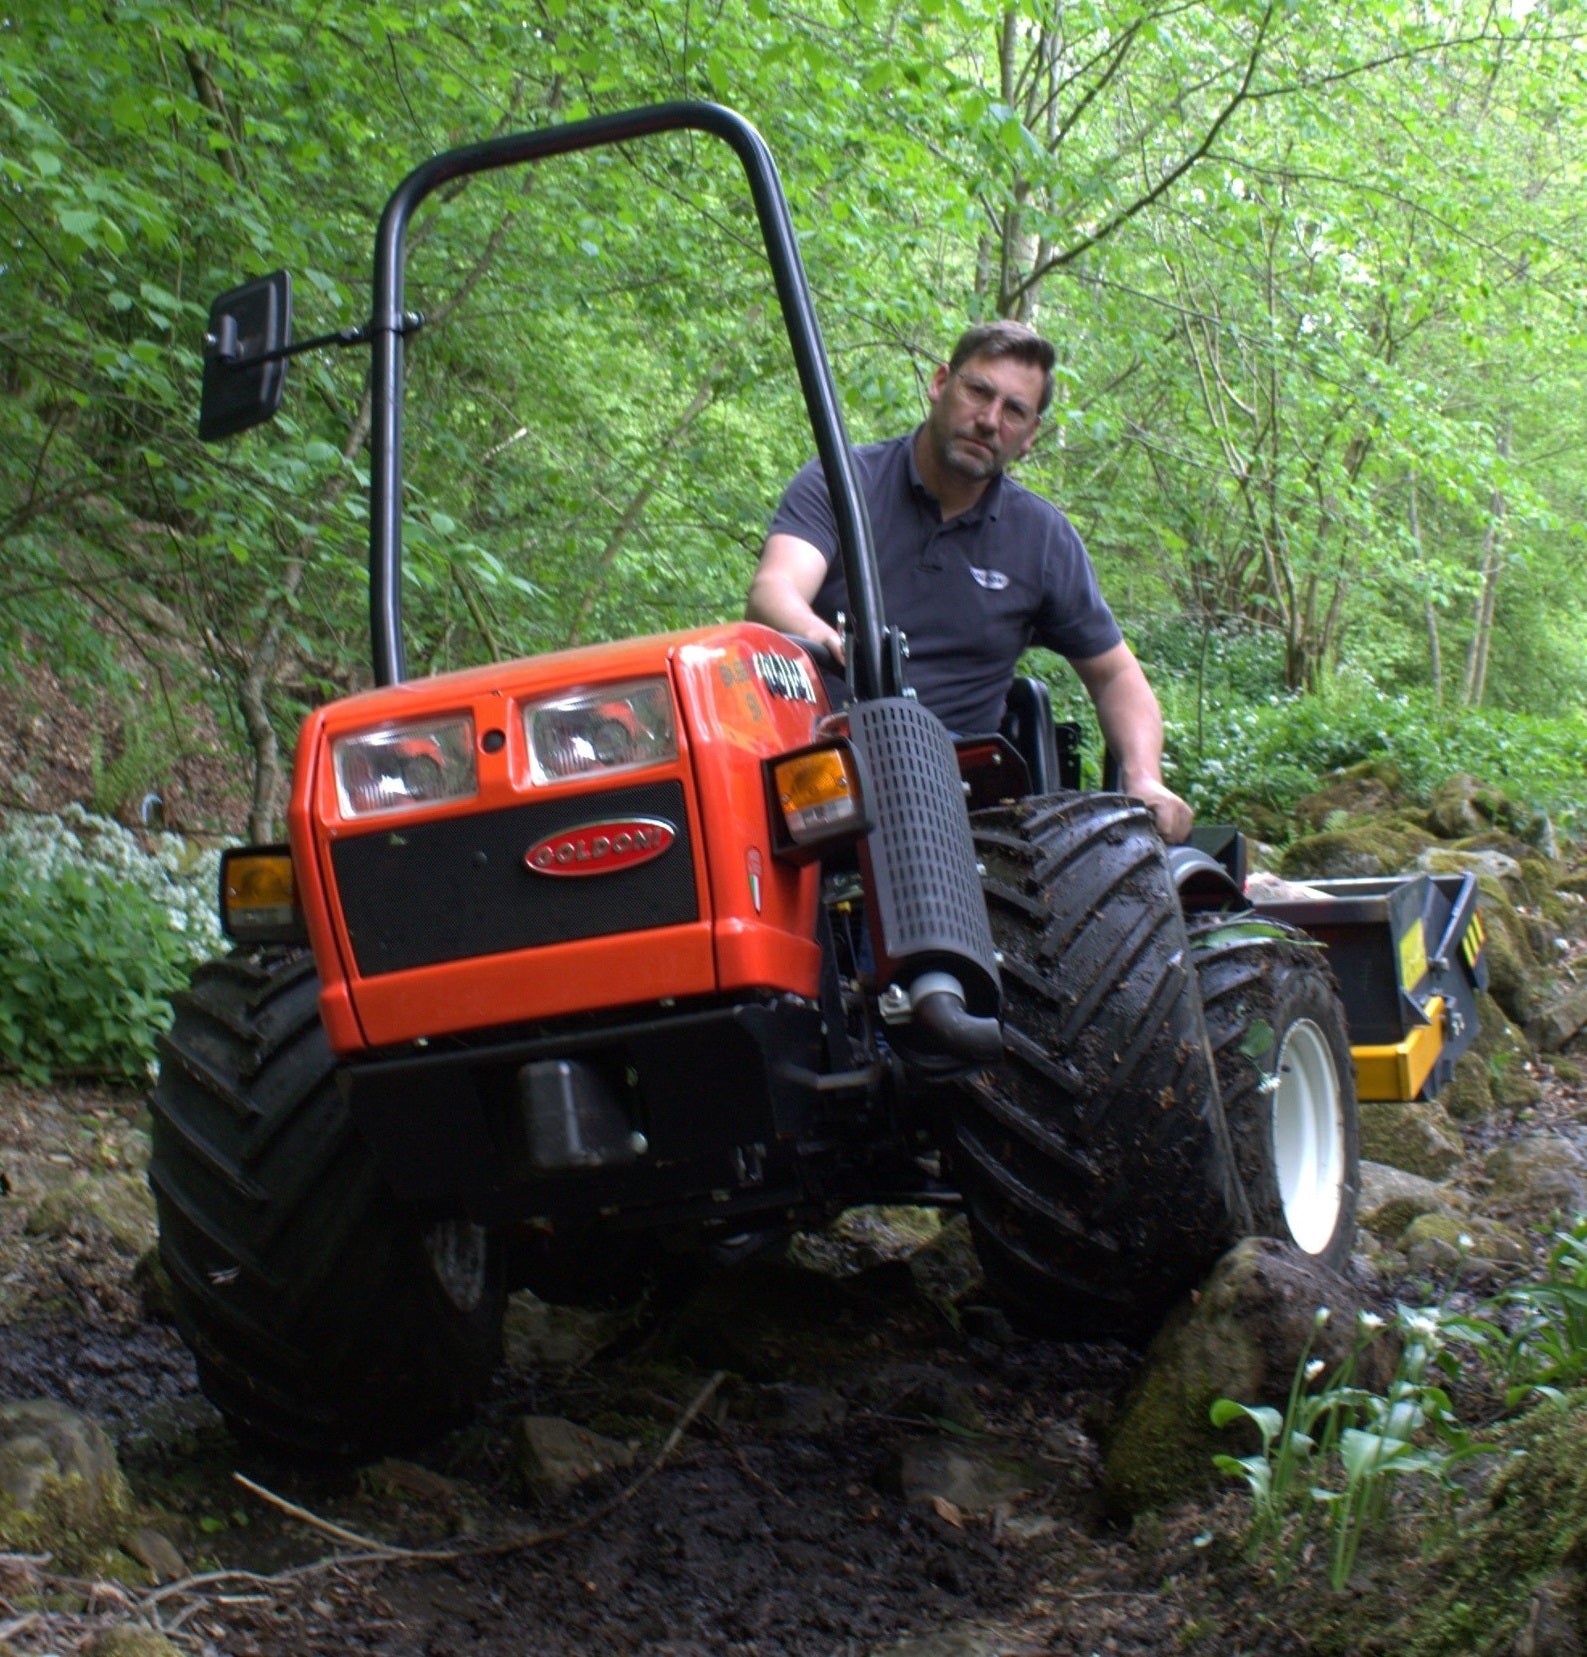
224,344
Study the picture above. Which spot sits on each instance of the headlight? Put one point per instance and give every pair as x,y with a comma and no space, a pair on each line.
405,766
613,728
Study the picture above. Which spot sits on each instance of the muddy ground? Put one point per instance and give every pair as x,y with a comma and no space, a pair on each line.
776,1525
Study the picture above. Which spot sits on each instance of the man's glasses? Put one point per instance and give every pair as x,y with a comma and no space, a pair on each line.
984,397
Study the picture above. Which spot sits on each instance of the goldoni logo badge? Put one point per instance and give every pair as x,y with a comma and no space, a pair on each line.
601,848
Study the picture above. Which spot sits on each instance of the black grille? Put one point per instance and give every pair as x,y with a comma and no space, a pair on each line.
447,891
920,857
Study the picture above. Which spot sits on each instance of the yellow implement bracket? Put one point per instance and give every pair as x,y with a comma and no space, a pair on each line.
1398,1072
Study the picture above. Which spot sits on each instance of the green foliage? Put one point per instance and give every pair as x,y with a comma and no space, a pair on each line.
98,935
1328,1459
1271,753
1310,274
1534,1335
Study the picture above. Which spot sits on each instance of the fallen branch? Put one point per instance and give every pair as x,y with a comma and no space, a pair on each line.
374,1552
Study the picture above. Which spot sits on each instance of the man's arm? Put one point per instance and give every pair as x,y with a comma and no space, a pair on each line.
790,574
1132,726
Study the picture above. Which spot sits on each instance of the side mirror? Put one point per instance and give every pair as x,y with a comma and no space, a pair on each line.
245,368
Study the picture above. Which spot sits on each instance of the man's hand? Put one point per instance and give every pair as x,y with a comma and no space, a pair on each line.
1172,814
1132,727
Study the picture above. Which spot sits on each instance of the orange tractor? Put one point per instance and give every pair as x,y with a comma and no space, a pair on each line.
647,952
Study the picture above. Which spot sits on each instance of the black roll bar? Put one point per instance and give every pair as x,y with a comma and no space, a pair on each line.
867,649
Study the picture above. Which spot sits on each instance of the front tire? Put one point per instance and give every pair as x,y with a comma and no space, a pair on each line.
1282,1048
1094,1160
323,1317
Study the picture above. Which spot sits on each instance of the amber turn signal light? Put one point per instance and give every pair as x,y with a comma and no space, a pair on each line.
817,800
258,896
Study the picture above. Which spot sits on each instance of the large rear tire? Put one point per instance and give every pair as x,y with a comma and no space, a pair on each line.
1282,1048
323,1317
1094,1160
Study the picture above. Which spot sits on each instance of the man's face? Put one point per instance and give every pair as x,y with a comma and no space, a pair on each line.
983,414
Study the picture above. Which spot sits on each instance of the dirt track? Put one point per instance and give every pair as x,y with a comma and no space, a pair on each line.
758,1535
777,1524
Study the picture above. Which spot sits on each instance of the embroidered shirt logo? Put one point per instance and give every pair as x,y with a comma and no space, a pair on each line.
993,580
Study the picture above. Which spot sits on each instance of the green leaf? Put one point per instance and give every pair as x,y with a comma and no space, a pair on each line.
1257,1042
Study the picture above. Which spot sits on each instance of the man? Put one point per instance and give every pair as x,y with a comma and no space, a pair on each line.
974,566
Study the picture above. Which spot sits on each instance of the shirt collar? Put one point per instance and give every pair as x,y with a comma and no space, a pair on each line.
988,506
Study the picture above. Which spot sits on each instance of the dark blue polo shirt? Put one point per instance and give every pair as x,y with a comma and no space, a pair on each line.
969,594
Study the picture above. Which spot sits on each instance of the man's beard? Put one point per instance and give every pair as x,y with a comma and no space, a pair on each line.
971,457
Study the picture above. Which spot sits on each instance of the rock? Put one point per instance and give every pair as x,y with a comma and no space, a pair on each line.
541,1337
1550,1029
1468,1094
61,1491
789,1407
119,1206
974,1478
1240,1337
1439,1242
1262,887
1515,1088
1391,1198
1360,791
553,1456
1419,1138
860,1239
946,1270
156,1553
1496,865
922,1391
1539,1178
1462,806
1345,854
129,1642
1508,1055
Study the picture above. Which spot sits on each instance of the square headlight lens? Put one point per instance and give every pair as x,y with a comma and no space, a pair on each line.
405,766
612,728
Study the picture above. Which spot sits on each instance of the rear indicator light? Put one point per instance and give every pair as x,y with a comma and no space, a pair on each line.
605,729
404,767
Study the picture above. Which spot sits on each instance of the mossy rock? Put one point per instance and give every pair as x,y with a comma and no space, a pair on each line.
1541,876
61,1490
1346,796
1345,854
1498,840
1420,1138
1391,1198
1465,1234
1468,1095
1515,980
1241,1336
1463,805
118,1206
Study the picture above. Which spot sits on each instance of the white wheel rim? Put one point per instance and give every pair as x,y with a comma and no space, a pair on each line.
459,1255
1308,1136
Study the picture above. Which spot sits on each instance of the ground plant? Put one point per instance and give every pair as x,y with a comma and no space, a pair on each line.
102,926
1533,1337
1328,1460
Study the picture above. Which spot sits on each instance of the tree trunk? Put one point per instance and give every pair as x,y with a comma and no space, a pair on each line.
1475,683
1435,649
